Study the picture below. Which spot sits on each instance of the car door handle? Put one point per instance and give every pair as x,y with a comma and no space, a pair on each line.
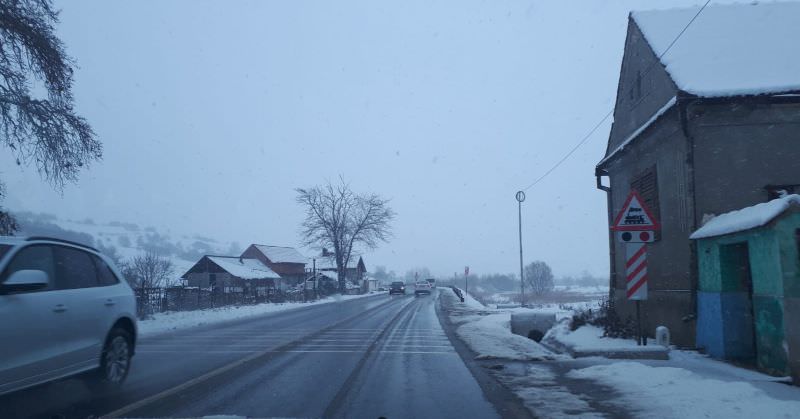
110,302
60,308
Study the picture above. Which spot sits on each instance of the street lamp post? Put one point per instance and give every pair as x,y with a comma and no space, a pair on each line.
520,199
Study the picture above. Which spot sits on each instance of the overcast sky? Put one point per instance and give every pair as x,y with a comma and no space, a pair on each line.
212,112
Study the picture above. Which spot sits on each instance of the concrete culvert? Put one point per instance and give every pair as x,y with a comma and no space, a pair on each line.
535,335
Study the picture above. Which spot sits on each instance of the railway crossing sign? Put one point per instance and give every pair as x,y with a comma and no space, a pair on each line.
635,216
635,226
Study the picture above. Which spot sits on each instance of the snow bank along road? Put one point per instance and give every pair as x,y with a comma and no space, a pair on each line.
369,357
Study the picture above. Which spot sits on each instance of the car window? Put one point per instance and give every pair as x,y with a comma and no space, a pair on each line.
4,249
74,269
38,257
105,275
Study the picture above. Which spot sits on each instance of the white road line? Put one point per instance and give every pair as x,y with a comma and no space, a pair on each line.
241,342
301,351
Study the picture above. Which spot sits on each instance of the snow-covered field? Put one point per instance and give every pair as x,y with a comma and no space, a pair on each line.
178,320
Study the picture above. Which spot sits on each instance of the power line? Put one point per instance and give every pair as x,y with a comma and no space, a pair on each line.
605,118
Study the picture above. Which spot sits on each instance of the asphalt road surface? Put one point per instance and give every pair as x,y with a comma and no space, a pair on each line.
373,357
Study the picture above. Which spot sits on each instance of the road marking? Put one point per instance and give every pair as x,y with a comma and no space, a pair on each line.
235,364
321,351
247,342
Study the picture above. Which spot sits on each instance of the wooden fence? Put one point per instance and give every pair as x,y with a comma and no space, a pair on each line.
158,300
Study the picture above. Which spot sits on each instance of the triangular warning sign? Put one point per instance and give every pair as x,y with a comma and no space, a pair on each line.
635,216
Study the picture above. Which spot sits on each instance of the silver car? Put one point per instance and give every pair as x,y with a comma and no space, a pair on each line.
64,310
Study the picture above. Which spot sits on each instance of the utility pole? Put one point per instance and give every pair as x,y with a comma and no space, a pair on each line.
314,275
520,199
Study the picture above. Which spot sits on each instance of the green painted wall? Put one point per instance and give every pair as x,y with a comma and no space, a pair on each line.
770,336
765,263
790,259
710,277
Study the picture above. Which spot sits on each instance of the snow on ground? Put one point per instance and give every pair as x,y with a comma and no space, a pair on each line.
590,339
562,311
177,320
540,391
470,301
488,331
669,392
490,337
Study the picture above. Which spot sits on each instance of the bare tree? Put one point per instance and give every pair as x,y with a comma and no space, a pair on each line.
45,130
338,218
8,224
539,277
147,271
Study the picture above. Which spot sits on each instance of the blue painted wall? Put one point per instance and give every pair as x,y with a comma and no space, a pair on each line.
709,324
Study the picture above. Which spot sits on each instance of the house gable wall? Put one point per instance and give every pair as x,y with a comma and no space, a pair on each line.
640,93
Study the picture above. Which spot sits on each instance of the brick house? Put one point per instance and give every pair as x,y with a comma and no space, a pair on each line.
704,126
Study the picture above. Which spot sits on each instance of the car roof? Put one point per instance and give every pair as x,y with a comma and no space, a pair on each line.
19,240
12,240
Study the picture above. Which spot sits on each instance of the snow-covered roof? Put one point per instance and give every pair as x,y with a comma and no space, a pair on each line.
280,254
746,218
244,268
328,262
729,50
634,135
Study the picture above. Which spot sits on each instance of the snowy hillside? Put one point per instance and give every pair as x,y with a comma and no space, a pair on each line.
126,240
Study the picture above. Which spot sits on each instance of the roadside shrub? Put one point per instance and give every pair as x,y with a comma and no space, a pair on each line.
605,316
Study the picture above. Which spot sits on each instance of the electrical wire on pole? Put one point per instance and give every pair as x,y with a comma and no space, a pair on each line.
611,112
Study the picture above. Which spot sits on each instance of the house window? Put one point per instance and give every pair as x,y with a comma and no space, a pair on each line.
646,183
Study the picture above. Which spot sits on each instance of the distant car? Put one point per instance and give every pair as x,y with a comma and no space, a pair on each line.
432,282
73,313
422,287
397,287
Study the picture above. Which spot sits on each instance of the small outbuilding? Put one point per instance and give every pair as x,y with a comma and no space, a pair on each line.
748,299
232,274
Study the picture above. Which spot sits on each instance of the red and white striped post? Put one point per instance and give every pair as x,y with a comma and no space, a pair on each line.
636,271
636,277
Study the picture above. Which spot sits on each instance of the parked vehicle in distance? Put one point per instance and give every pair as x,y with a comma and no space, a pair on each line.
397,287
66,310
432,281
422,287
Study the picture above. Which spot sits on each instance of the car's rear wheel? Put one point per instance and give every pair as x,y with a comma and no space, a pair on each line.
115,362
